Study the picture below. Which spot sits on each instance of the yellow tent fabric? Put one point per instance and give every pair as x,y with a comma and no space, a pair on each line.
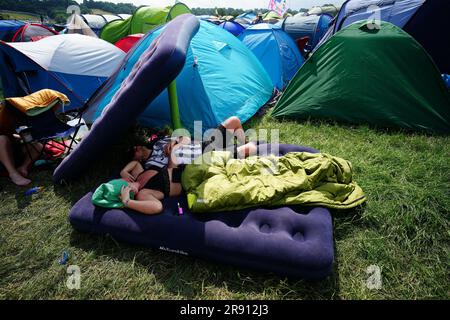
38,102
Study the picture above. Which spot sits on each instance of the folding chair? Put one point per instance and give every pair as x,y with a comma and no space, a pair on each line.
47,129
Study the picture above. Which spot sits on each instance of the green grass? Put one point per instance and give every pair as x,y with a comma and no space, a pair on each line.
19,16
403,228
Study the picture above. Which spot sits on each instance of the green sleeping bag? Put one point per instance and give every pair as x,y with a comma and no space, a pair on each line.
107,195
220,183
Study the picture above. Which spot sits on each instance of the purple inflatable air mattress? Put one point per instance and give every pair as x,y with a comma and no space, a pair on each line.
291,241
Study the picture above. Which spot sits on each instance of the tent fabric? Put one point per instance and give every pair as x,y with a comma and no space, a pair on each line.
425,20
245,19
32,32
382,77
8,28
125,44
232,27
276,51
271,17
77,25
428,26
312,26
144,19
124,16
72,64
95,21
221,78
111,17
332,10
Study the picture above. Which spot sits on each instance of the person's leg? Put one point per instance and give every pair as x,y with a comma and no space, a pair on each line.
146,202
246,150
34,151
145,193
7,159
234,126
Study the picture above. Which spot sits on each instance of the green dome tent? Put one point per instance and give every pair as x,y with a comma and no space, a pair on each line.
380,76
144,19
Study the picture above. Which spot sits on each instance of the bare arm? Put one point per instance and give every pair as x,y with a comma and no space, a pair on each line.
145,203
126,172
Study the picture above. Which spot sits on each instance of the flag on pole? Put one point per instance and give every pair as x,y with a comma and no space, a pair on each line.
279,6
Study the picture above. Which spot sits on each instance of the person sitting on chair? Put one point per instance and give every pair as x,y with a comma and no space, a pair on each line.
13,155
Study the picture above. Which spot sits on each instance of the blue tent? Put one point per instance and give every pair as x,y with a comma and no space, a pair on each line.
232,27
8,28
246,19
312,26
220,78
277,52
425,20
73,64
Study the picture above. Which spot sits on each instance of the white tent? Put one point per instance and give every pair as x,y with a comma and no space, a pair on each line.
77,25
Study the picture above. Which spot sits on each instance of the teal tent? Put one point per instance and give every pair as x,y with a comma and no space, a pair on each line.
275,49
221,78
365,74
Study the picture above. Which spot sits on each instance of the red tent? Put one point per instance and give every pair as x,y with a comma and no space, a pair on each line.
32,32
126,43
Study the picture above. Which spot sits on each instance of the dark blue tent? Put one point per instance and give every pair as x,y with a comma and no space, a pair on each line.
8,28
232,27
312,26
425,20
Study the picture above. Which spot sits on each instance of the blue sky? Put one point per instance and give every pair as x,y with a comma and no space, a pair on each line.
244,4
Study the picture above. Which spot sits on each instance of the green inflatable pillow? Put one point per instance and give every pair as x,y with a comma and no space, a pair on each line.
107,195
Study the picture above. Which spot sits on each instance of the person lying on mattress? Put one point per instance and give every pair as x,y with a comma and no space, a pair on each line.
155,172
223,183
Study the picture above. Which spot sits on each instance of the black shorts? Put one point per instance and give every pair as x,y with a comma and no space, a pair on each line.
160,182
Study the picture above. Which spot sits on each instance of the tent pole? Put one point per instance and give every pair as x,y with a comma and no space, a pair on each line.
173,101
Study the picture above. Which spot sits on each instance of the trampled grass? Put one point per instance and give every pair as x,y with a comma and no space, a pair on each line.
403,229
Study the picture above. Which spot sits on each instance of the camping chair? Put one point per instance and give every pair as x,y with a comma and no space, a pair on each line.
47,129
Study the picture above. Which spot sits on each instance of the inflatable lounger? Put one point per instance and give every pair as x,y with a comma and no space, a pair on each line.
296,242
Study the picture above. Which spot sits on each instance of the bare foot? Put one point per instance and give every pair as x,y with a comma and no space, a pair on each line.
19,180
23,171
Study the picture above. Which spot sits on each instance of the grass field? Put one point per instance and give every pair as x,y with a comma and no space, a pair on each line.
20,16
403,229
